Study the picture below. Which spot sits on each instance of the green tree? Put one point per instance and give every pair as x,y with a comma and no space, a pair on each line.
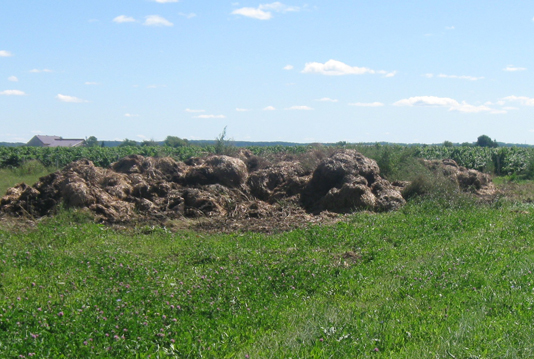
92,141
486,141
448,144
173,141
150,143
128,142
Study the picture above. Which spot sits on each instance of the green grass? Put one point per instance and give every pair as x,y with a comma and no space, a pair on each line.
29,173
428,281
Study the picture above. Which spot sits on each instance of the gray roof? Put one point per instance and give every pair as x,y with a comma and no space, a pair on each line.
55,141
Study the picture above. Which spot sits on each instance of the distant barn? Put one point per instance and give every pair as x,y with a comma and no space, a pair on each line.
54,141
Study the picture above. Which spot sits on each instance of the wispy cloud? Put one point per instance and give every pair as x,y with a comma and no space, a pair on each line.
210,116
156,20
130,115
326,99
13,79
512,68
71,99
264,11
367,104
269,108
123,18
36,71
462,77
4,53
523,100
193,111
288,67
451,104
188,16
449,27
12,93
300,108
338,68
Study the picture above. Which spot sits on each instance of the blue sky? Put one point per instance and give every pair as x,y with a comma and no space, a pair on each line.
301,71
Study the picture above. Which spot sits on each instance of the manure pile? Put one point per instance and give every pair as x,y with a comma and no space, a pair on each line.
232,192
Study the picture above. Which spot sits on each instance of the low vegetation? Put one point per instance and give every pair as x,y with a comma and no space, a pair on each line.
443,277
429,281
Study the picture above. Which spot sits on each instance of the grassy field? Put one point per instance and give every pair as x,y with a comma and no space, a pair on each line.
436,279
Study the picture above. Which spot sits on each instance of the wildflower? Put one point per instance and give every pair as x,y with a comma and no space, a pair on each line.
376,349
60,314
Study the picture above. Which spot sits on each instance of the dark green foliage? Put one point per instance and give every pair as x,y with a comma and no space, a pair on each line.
149,143
173,141
128,143
486,141
92,141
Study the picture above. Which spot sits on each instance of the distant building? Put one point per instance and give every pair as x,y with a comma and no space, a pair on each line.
54,141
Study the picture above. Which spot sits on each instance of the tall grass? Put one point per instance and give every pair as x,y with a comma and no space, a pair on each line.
29,173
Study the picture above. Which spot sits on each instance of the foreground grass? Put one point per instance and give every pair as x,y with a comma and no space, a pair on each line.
426,282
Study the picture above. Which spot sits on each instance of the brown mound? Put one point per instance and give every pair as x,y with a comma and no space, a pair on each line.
240,193
467,180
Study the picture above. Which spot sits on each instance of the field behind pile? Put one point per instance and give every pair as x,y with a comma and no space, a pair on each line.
436,279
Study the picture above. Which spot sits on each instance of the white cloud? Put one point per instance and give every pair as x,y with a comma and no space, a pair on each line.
338,68
467,108
123,18
367,104
130,115
428,76
452,104
156,20
288,67
210,116
12,93
279,7
449,27
35,71
188,16
512,68
471,78
253,13
264,11
269,108
194,111
427,101
523,100
326,99
4,53
71,99
155,86
300,108
241,109
91,83
13,79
